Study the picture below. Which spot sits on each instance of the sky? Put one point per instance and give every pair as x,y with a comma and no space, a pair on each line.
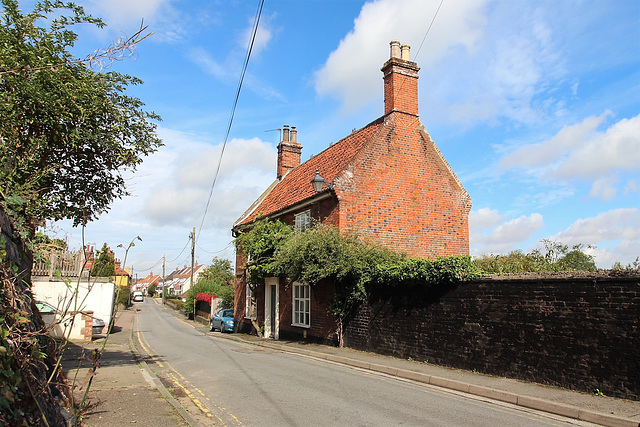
534,104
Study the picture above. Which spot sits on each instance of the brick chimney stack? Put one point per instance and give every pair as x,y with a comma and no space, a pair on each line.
400,81
289,151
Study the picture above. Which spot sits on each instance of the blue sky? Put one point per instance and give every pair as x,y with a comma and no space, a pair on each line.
534,104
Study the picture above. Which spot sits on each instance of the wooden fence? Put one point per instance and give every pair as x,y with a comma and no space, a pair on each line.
53,263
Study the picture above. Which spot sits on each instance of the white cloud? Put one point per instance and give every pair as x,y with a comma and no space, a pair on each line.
616,149
549,152
581,152
631,187
263,36
608,226
126,12
488,234
202,58
484,218
179,181
615,233
604,188
352,70
125,15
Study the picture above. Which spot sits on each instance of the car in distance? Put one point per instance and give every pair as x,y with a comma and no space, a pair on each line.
138,297
222,320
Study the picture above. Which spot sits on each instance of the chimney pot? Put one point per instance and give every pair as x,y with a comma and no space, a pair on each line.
395,49
400,81
289,151
405,52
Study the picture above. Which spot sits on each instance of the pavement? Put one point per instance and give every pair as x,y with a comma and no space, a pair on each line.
125,389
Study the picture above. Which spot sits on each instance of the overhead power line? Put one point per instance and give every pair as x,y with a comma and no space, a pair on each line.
428,29
185,247
254,32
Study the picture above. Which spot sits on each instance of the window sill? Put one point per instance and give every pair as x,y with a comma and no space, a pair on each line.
301,326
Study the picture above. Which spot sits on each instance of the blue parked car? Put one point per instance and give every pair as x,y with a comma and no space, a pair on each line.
222,320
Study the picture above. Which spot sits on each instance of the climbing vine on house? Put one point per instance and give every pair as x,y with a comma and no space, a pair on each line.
259,244
354,265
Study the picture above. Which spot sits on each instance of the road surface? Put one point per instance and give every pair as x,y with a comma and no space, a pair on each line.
225,382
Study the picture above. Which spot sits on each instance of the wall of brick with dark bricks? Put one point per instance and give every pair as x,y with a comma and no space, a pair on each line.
576,333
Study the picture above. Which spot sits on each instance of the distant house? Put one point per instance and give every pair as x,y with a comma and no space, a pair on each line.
387,180
178,282
143,285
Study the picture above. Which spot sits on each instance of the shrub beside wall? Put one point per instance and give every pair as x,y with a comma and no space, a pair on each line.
579,332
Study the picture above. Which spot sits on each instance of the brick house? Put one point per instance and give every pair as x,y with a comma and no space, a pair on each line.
387,180
143,285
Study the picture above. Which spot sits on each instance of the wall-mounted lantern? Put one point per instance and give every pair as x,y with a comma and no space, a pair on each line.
318,182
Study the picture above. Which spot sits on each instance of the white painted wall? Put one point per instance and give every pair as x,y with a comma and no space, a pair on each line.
95,296
68,326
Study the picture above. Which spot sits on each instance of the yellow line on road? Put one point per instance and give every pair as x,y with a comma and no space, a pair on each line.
192,397
147,350
174,374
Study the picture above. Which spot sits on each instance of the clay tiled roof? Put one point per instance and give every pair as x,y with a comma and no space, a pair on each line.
295,186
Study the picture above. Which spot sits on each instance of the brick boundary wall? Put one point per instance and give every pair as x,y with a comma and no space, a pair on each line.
87,327
580,333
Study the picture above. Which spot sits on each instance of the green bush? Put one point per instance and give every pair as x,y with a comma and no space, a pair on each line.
123,296
554,257
216,279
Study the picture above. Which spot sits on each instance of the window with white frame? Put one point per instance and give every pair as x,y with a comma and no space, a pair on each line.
301,304
250,306
302,221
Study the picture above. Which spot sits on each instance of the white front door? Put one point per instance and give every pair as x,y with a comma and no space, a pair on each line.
272,308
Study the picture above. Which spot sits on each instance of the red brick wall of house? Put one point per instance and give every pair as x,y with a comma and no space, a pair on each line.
401,191
400,86
323,325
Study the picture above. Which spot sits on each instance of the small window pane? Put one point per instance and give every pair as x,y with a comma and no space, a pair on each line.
301,304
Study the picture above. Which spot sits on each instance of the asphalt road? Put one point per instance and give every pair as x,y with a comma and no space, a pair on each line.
223,382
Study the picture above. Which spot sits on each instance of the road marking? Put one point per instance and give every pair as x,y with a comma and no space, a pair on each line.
194,399
174,374
154,359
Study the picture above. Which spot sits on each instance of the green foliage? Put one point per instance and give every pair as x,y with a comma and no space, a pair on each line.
151,290
67,133
25,351
426,272
554,257
122,296
259,244
633,266
216,279
352,264
322,253
104,265
42,240
356,266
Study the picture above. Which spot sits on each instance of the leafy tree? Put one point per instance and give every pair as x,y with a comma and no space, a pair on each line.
66,132
216,279
104,265
151,290
259,244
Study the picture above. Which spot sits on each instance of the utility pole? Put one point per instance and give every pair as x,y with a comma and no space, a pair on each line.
193,257
163,276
